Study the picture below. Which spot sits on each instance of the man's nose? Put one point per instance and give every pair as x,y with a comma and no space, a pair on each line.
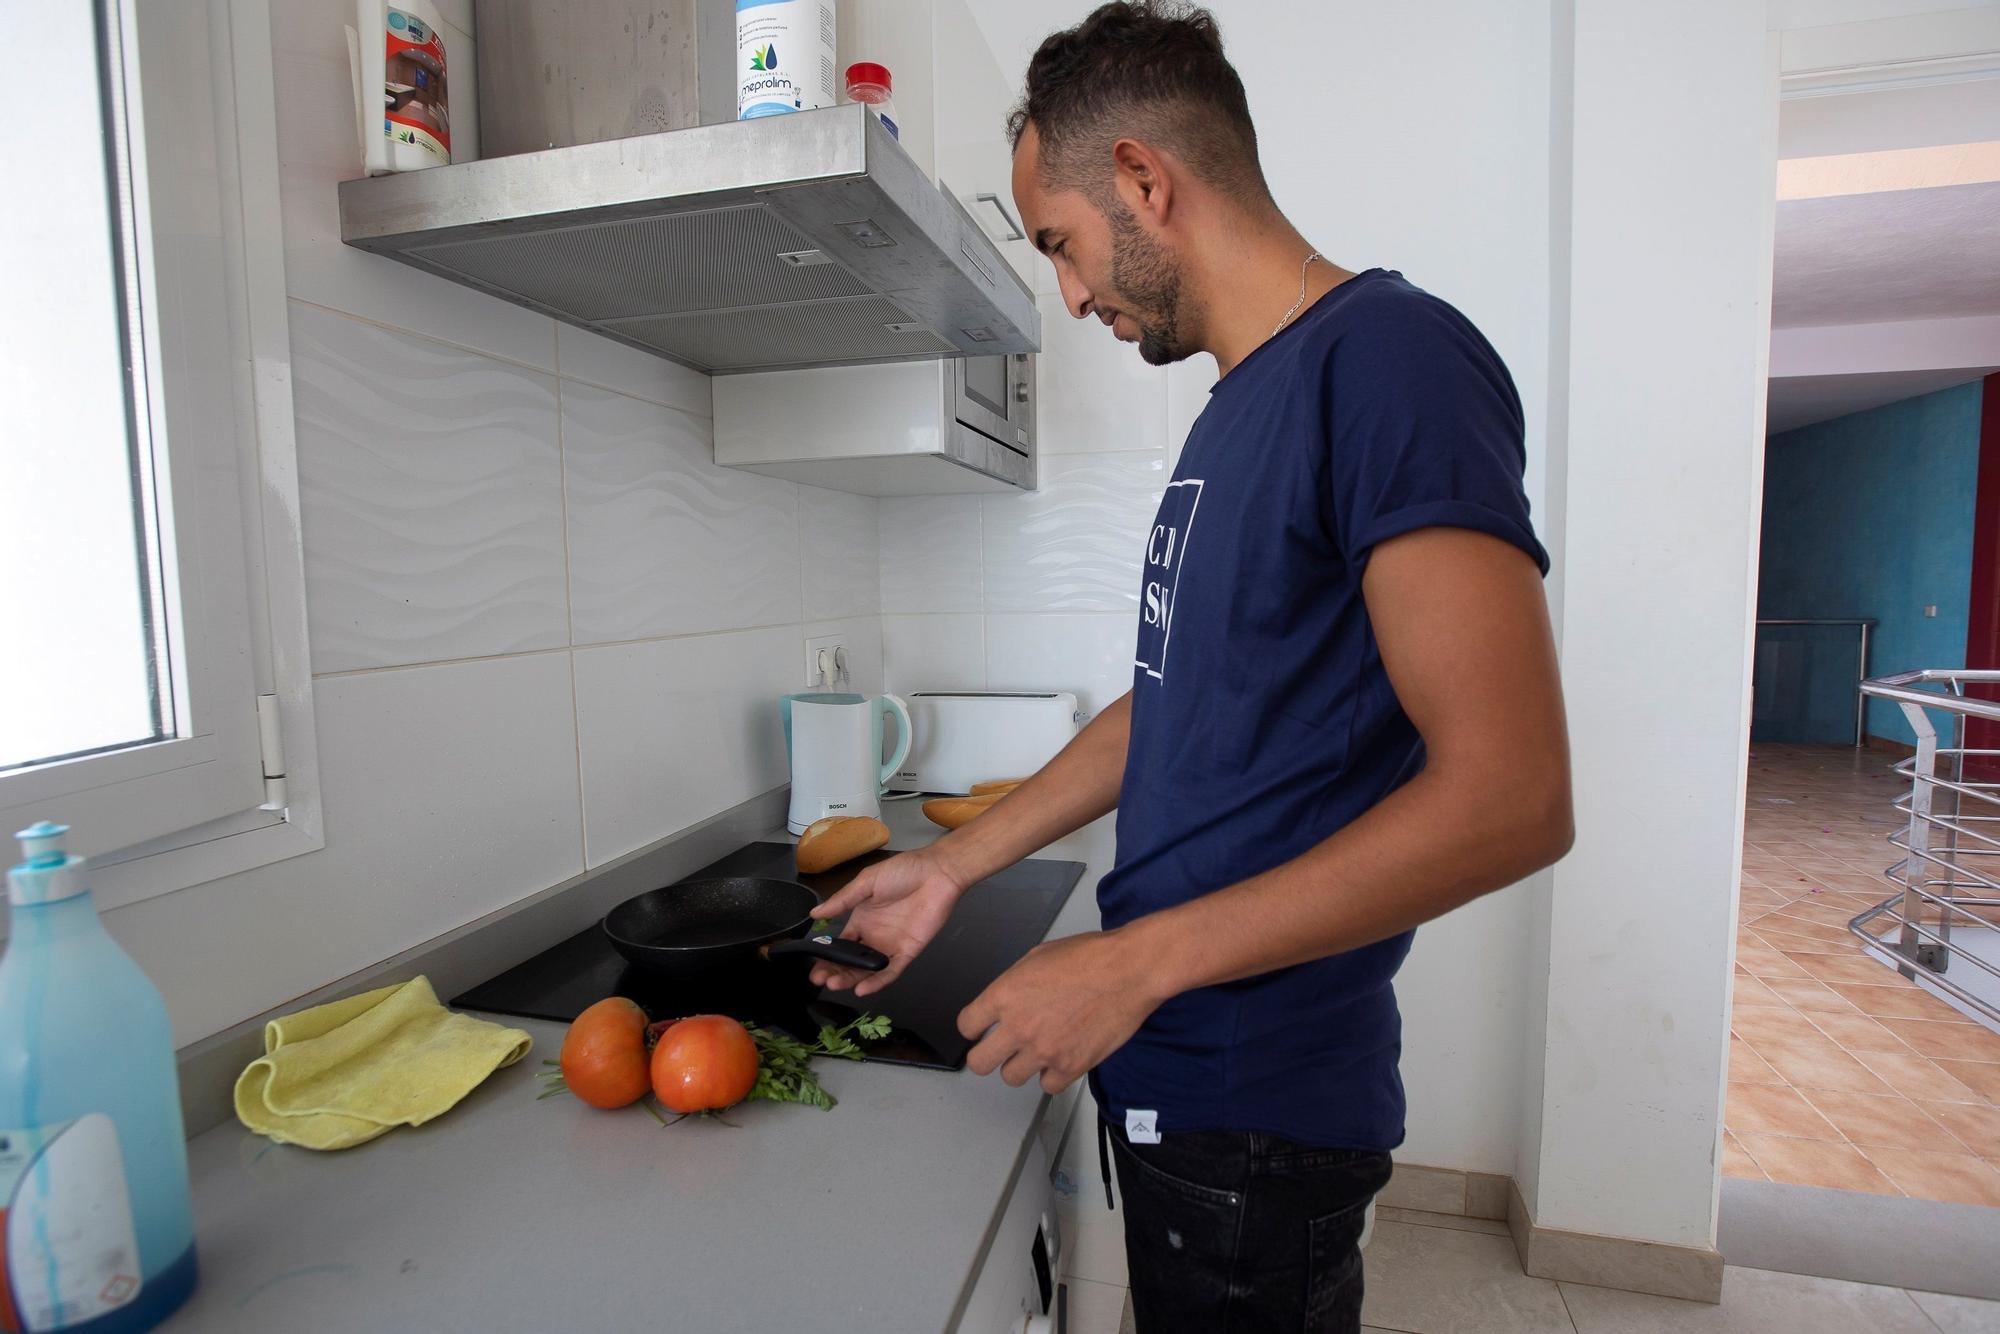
1074,294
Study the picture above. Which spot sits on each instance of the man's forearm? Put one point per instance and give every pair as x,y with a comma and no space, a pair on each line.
1435,844
1077,786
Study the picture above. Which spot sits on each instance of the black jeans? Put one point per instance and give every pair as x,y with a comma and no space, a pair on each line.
1228,1232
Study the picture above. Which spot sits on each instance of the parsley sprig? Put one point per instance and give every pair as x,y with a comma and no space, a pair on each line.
784,1064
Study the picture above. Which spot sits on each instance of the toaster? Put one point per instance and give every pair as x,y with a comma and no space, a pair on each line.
962,737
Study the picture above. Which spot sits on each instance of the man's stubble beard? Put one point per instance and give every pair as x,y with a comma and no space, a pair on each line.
1148,284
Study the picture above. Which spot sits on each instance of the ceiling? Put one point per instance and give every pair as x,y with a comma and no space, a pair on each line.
1801,400
1895,255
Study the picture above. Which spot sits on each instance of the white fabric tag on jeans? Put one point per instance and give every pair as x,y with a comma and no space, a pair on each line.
1142,1127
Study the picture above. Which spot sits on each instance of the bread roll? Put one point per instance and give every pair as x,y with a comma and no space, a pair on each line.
993,785
839,838
951,812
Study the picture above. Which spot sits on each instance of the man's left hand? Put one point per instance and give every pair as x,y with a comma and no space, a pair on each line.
1064,1007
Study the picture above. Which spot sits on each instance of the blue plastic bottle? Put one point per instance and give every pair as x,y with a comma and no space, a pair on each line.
97,1233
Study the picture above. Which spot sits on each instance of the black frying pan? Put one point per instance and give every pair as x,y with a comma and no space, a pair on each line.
702,929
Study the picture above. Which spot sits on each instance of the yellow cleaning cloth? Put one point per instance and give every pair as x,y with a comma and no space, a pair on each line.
340,1074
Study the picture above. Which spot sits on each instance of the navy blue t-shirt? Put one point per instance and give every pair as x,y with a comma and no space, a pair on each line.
1262,718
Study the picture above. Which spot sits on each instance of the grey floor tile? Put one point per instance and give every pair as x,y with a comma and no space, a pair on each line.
1959,1315
1754,1301
1492,1227
1433,1280
1095,1308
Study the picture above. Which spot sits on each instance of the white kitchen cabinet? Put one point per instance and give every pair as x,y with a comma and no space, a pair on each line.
951,101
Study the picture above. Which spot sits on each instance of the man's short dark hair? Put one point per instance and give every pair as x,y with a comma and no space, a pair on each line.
1142,69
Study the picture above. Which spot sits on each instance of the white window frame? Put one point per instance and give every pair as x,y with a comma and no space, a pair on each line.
239,787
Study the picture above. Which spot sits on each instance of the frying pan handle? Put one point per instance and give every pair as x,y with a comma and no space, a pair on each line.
850,953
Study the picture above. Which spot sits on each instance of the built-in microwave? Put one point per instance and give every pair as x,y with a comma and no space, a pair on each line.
908,428
996,397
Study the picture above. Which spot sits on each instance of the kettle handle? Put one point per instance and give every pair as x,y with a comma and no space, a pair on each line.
886,705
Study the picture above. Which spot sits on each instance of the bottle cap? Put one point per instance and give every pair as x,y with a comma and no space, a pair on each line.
46,873
867,71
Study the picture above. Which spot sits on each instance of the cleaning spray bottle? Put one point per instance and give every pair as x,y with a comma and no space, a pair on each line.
97,1232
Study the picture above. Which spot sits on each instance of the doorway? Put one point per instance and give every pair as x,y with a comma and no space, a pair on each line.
1864,1102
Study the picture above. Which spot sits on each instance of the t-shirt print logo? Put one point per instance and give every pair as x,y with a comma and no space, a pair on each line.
1166,554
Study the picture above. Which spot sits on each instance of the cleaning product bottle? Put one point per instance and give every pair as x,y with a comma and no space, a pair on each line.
401,90
784,56
97,1232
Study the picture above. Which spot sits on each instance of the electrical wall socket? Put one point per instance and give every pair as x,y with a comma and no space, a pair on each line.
830,645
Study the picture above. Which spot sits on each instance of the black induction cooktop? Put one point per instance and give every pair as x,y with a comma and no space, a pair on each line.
999,919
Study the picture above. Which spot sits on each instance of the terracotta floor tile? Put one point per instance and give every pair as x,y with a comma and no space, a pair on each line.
1796,919
1917,1077
1763,961
1870,1121
1747,1067
1772,1109
1957,1178
1759,1024
1736,1162
1977,1125
1836,968
1857,1032
1821,911
1749,991
1810,995
1981,1078
1810,1162
1817,869
1820,1065
1964,1041
1898,998
1793,943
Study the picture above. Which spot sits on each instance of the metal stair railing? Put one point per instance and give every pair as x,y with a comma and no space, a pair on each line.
1950,872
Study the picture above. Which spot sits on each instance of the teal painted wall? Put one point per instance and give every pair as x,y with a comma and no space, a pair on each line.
1868,515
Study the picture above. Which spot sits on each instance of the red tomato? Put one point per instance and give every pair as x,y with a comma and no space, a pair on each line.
704,1064
604,1054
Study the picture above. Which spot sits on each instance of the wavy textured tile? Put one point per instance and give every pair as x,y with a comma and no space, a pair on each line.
1096,395
431,496
1090,656
946,652
931,554
661,540
843,553
1076,544
674,731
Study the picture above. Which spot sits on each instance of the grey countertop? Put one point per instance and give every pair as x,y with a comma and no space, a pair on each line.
513,1214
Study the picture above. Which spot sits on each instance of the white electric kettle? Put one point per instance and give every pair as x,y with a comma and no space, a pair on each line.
835,744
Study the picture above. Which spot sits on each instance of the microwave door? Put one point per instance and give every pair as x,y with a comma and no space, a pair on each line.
985,397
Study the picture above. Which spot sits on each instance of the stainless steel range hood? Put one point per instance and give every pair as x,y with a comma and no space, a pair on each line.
788,241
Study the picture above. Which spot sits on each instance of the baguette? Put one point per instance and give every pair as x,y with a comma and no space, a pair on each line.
993,785
839,838
951,812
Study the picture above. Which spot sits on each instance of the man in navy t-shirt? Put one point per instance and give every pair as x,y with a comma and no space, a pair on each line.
1345,717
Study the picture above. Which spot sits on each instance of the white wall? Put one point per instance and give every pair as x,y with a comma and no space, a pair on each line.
546,628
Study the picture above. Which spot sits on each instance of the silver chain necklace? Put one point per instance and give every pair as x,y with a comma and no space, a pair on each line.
1302,295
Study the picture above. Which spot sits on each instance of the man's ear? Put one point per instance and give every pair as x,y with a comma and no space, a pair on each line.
1143,179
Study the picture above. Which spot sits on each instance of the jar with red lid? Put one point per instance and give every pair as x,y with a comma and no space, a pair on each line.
868,84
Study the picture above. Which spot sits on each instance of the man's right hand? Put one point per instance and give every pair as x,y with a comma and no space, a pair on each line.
898,907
